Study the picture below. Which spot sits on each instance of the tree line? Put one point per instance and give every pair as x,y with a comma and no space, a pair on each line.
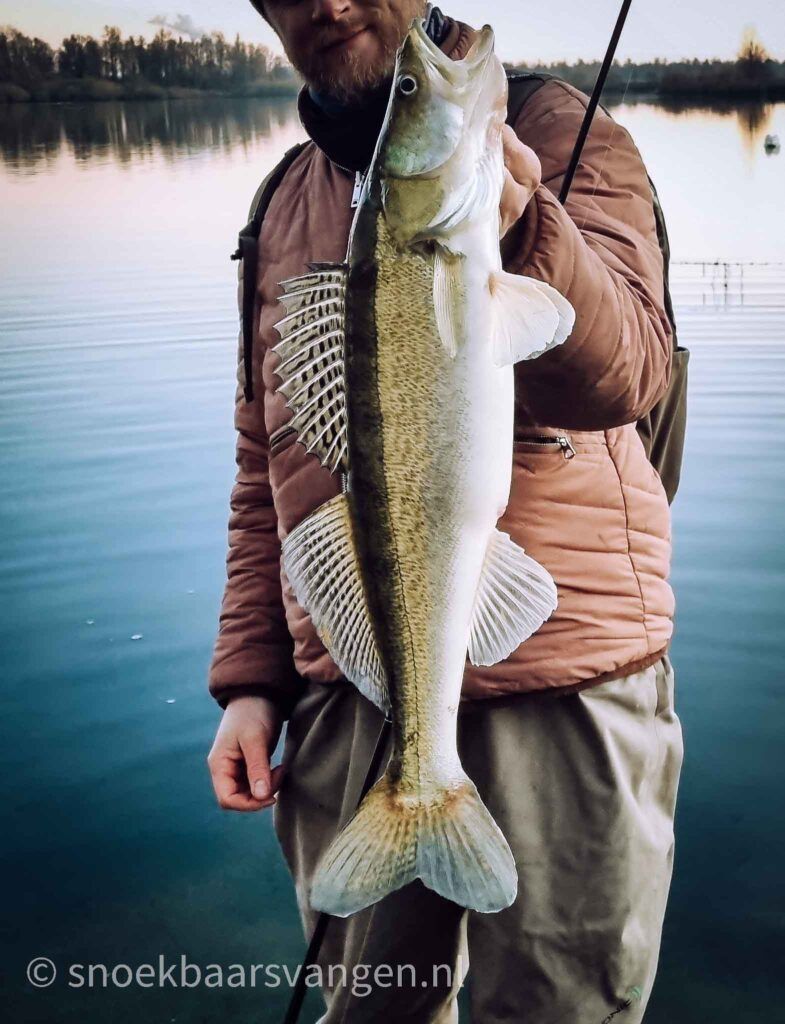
211,62
754,74
113,66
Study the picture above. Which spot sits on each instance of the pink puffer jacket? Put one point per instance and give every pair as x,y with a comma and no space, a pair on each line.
585,501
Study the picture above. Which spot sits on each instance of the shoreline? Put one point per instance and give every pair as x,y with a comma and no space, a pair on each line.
102,91
59,90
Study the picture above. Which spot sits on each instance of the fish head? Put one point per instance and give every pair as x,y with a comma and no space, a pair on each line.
439,157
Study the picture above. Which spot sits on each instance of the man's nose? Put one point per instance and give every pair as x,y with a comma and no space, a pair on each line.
331,10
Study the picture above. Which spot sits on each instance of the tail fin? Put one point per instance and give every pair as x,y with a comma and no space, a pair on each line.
449,840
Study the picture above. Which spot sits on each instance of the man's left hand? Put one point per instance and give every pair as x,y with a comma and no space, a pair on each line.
522,176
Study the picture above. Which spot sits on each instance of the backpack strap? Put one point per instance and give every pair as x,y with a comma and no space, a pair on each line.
520,86
248,253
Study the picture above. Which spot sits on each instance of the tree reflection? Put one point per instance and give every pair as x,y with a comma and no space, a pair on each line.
35,133
753,118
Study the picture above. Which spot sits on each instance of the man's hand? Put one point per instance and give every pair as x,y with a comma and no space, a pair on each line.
240,759
522,176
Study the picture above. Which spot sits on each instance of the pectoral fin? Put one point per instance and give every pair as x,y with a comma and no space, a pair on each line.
529,317
515,596
447,294
320,560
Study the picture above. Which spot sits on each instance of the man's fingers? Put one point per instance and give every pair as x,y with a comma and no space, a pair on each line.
521,161
230,784
240,759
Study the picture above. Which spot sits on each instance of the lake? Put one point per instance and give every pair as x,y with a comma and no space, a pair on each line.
117,362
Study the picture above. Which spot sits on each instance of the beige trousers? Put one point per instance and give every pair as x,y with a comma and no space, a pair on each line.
583,787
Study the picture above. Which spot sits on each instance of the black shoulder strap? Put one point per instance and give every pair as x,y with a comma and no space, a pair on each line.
520,86
248,251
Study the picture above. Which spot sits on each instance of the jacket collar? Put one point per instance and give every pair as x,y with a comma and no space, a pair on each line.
348,134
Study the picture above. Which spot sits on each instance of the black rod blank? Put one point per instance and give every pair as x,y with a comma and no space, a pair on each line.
594,100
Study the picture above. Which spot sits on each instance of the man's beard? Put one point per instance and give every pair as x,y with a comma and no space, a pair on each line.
346,76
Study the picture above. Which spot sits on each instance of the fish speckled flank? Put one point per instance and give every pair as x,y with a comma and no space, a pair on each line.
424,427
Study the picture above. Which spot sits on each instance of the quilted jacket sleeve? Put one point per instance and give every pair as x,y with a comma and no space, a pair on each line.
253,651
601,252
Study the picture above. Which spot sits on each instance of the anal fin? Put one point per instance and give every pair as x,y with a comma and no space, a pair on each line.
320,560
514,597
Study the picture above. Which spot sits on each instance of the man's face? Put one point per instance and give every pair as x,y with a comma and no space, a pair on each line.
342,47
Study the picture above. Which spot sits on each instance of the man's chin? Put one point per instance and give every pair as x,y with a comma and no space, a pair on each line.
353,71
350,85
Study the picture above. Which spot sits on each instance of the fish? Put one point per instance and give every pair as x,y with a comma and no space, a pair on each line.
398,366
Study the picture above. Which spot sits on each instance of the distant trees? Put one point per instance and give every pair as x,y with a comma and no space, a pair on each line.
80,57
113,66
24,61
752,75
752,51
207,63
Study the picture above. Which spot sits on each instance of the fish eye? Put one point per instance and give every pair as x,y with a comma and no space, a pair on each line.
407,85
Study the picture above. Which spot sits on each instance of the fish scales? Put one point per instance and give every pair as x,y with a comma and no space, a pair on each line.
413,474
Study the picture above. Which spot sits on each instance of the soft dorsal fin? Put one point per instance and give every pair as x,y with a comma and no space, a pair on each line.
311,366
320,560
529,317
514,597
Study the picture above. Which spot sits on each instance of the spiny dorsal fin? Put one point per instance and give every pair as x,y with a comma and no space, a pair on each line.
320,560
311,367
514,597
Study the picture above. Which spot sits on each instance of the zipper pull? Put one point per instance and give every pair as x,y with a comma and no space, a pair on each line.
566,447
359,178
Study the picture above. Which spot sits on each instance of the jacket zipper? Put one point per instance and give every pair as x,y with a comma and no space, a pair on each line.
278,437
359,178
560,439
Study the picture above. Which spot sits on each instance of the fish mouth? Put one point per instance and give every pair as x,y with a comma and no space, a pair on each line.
456,72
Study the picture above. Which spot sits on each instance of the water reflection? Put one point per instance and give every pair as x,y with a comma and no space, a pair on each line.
721,284
753,119
31,134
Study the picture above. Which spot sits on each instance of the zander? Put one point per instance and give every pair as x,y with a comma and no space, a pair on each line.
398,366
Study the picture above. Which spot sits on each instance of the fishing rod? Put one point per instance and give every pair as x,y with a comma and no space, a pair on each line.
594,101
322,922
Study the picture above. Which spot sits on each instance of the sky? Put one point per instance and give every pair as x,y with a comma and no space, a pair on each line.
526,31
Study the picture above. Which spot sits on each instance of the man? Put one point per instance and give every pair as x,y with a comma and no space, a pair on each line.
573,741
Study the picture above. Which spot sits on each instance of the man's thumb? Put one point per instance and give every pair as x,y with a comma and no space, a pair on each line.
257,764
261,788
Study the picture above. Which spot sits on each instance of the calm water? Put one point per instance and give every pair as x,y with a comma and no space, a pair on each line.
117,353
